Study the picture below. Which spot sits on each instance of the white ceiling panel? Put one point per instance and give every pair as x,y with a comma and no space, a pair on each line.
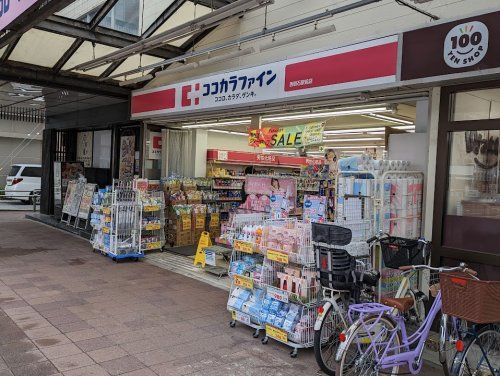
41,48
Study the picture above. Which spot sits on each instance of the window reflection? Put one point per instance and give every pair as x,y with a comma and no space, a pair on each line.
473,186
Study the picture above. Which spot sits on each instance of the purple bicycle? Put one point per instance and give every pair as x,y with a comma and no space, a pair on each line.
377,340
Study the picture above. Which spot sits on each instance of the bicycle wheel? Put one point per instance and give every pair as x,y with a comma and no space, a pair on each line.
360,357
326,341
450,330
481,357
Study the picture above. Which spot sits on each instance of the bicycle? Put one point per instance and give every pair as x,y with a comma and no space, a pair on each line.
348,280
377,339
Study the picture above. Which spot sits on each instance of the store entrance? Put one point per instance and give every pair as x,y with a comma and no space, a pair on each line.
467,200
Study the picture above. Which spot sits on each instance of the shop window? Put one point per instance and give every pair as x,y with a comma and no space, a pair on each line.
473,199
476,105
101,149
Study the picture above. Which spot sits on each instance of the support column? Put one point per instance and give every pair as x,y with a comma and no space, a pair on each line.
434,102
199,153
47,191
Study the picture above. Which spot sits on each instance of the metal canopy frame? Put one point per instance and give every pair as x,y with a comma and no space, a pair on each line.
42,17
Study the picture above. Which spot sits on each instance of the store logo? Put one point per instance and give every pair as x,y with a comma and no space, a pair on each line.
273,198
308,204
190,94
466,44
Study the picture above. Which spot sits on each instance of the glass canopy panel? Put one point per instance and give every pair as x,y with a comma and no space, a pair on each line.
187,12
133,62
82,10
41,48
86,53
134,16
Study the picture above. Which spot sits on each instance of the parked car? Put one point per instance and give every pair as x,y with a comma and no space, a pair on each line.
23,181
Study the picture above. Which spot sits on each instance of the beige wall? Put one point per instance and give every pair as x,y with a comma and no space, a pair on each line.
228,142
372,21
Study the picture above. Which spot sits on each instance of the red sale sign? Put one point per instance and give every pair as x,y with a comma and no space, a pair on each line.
10,10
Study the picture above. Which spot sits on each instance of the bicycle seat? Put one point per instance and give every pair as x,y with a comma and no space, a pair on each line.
401,304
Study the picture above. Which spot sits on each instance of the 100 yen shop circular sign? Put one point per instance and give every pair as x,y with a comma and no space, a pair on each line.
466,44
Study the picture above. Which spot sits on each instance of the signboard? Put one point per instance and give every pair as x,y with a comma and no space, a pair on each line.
314,208
276,333
294,136
86,201
73,198
57,186
469,44
127,157
266,193
12,9
277,256
241,317
63,173
84,142
241,246
277,294
210,258
257,159
155,145
351,67
244,282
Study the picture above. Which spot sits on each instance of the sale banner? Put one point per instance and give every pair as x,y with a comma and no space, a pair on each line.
294,136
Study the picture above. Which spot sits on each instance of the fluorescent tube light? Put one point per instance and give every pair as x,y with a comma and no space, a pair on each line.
390,119
217,124
352,139
404,127
228,132
313,115
147,77
353,131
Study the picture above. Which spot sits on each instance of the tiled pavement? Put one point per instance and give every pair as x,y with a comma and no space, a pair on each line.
65,310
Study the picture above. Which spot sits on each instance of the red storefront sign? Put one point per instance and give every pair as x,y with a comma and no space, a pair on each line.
240,157
351,67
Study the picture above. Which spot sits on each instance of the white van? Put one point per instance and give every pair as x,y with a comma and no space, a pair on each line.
23,180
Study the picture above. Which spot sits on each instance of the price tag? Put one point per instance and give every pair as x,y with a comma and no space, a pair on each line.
151,208
154,245
277,256
241,317
106,211
245,282
186,222
210,258
242,246
152,226
277,294
105,230
214,220
276,333
200,222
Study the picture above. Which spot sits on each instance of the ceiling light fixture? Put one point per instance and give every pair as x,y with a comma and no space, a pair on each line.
216,124
390,119
228,132
352,139
313,115
147,77
354,131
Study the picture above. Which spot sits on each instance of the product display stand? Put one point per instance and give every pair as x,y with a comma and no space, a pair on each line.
289,276
245,270
152,220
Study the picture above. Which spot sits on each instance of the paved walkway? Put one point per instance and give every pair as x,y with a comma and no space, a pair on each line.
65,310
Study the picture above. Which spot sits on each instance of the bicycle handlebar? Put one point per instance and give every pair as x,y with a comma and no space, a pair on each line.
463,268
